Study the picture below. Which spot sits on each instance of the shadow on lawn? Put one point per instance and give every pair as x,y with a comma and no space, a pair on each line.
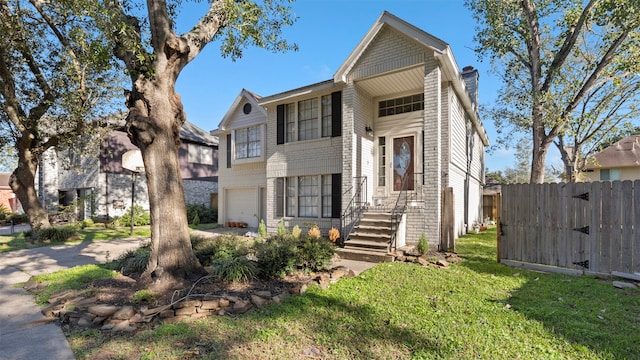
585,310
333,328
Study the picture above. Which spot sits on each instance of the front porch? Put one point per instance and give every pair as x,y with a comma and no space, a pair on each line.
380,228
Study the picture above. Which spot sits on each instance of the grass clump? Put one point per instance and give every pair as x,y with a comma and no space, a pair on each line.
74,278
144,296
55,234
133,261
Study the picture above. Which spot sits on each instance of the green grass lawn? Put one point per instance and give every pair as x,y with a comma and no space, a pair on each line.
475,310
19,241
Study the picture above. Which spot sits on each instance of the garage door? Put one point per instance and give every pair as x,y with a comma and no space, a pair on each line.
242,206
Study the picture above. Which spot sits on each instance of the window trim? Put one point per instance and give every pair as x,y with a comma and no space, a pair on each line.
234,159
289,199
327,122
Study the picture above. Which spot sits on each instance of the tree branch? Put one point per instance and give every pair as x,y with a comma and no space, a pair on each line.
206,28
66,44
604,62
569,42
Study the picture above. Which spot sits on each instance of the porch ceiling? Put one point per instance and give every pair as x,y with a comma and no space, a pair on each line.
392,83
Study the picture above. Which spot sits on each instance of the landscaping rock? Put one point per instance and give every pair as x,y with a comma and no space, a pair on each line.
442,263
423,261
258,301
186,311
224,303
103,310
210,304
123,326
125,313
299,289
264,294
241,306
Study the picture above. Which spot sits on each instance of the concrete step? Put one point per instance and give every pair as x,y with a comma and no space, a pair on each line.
373,229
384,238
364,255
367,244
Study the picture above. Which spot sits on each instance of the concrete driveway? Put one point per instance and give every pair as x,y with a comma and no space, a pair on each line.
24,332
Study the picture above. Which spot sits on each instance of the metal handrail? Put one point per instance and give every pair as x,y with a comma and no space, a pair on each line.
353,212
397,212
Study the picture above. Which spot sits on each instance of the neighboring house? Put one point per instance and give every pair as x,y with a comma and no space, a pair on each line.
8,199
397,108
620,161
99,186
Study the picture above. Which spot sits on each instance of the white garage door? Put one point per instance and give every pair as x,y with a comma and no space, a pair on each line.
242,206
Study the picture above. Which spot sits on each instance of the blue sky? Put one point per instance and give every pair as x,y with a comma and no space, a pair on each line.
326,33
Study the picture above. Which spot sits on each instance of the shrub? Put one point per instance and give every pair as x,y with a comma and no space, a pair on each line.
18,218
276,256
3,210
314,253
201,214
262,228
234,268
296,232
280,255
140,217
208,249
86,223
334,235
281,231
132,261
314,231
423,246
55,234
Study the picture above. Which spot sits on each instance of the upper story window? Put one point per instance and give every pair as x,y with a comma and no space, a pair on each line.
200,154
248,144
609,174
401,105
310,119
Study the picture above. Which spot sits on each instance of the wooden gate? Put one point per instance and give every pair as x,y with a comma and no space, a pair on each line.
576,227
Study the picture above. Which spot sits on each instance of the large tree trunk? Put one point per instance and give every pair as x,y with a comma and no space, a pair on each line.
22,182
153,125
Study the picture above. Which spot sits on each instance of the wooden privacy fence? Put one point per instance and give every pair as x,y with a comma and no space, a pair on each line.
590,227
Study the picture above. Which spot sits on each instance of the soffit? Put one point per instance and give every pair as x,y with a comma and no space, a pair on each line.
393,83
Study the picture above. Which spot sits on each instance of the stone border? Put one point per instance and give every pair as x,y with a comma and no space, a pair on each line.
69,308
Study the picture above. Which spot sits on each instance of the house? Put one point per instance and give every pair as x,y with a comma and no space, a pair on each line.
620,161
385,138
8,199
98,185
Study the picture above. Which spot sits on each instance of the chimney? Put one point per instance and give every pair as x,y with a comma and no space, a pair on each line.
470,77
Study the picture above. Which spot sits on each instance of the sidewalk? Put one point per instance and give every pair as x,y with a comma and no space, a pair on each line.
24,331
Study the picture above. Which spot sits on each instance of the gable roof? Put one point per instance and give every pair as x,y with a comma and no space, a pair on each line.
624,153
245,95
192,133
442,52
386,18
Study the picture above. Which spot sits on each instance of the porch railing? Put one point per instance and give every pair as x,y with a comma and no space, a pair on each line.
400,207
353,212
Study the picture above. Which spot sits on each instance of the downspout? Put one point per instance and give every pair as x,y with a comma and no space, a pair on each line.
469,149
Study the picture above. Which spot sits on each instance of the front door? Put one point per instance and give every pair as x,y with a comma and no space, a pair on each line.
403,163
